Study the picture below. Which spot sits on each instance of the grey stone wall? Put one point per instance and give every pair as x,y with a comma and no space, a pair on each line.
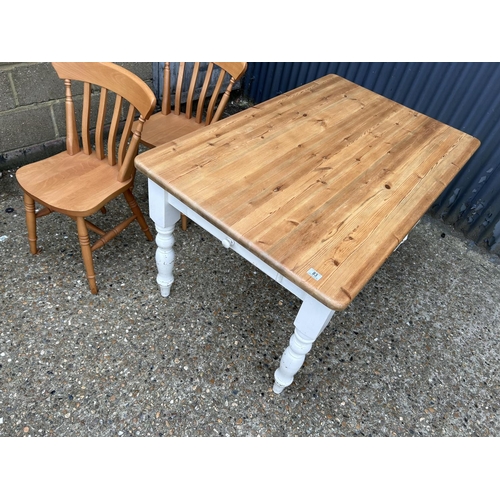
32,119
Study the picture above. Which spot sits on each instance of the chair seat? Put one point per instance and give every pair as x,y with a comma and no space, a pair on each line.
89,183
161,128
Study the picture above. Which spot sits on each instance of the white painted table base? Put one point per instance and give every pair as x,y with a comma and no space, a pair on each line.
312,317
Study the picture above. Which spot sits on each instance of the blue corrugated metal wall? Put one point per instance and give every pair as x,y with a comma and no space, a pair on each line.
463,95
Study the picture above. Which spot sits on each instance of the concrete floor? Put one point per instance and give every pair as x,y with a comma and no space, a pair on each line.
416,354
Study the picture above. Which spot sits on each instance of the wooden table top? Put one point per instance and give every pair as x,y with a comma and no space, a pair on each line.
322,183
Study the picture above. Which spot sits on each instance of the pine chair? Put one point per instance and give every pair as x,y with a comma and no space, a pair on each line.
79,182
196,112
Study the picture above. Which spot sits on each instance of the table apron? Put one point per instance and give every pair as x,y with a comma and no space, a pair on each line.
157,213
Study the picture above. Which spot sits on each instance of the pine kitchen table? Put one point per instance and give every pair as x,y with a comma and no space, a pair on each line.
315,187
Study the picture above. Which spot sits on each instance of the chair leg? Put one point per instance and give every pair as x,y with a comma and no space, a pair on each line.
29,205
83,236
184,222
138,213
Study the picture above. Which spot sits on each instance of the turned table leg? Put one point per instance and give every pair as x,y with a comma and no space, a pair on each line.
164,216
165,258
309,323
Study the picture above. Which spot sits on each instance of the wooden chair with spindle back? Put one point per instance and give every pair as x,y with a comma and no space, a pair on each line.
191,111
81,181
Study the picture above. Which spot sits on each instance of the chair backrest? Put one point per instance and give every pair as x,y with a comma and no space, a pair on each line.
208,110
128,89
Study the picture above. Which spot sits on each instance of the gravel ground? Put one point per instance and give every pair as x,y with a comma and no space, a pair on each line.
416,354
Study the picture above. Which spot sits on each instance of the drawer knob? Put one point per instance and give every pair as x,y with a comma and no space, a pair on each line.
227,242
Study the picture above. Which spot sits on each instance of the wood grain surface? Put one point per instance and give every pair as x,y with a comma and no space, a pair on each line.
322,182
